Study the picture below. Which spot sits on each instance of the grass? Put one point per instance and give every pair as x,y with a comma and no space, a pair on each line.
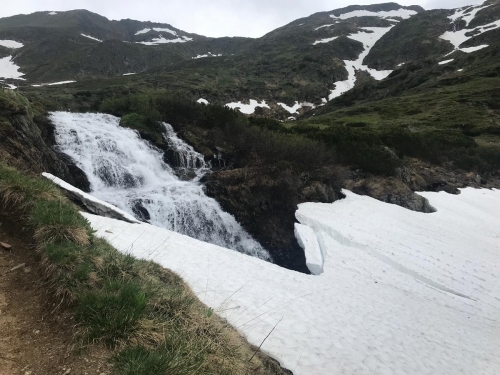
147,315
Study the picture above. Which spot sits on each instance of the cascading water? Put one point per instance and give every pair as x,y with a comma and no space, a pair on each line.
128,172
183,155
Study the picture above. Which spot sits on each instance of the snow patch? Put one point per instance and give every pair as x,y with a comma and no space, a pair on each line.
158,29
209,54
445,62
202,101
331,24
402,13
8,69
11,44
129,74
326,40
162,40
52,13
91,37
248,109
53,84
295,108
369,312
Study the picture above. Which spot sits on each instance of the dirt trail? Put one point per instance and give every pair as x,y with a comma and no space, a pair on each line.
36,338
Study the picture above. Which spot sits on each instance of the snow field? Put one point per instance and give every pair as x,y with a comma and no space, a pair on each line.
401,292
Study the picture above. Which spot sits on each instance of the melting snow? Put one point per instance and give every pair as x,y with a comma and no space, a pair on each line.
203,101
326,40
401,292
248,108
8,69
368,39
53,84
91,37
11,44
402,13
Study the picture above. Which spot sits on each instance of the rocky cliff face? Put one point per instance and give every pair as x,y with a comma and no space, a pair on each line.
264,201
27,137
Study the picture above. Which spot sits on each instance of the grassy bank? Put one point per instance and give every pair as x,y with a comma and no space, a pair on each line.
147,315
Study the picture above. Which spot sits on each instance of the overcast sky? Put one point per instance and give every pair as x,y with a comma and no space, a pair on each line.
216,18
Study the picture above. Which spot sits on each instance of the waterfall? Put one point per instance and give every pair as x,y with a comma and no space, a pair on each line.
183,155
129,173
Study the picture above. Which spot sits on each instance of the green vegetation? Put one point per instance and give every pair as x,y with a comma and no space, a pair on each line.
245,141
146,314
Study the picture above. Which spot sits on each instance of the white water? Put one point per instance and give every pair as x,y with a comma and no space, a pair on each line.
128,172
185,155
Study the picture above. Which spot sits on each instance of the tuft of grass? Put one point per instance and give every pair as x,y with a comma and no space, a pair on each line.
56,221
111,314
20,191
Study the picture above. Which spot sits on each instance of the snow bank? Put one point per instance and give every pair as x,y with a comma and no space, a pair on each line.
402,292
308,240
91,37
93,204
402,13
248,108
8,69
11,44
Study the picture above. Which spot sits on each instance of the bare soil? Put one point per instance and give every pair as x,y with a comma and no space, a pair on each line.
37,335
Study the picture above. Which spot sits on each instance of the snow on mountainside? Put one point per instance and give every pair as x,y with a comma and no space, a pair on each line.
459,36
396,291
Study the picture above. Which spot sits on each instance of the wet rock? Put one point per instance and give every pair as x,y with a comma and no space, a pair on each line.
391,190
